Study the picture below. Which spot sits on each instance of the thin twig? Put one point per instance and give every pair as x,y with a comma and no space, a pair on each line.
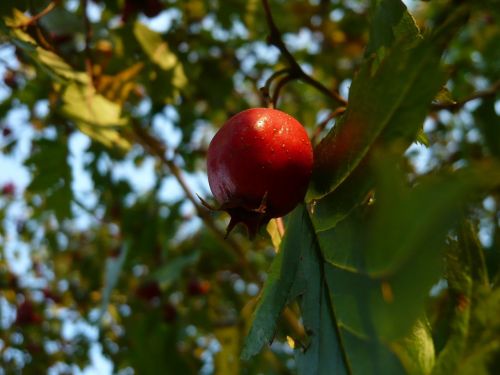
265,91
455,106
282,82
89,65
49,8
296,70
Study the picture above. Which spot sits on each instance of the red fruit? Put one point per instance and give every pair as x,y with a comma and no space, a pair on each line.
259,165
48,294
6,132
151,8
169,313
148,291
58,39
9,189
198,288
26,314
10,79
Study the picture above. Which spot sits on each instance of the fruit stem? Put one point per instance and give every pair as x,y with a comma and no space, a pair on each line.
295,69
49,8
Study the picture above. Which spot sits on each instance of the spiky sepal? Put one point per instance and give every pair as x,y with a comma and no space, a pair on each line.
240,212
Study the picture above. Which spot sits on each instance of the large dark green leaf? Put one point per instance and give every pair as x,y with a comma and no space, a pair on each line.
392,100
377,256
391,22
279,283
324,353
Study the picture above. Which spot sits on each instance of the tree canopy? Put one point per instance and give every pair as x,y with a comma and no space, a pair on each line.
109,259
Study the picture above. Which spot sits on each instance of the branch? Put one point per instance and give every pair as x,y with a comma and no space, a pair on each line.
278,88
265,91
88,38
456,106
296,72
49,8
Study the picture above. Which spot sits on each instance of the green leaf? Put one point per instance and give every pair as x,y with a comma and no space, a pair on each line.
391,101
170,272
391,22
324,353
444,96
51,177
483,349
365,353
114,267
466,275
153,345
377,254
487,120
334,207
416,351
279,283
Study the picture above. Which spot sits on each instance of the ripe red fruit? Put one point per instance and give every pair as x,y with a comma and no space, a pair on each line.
10,79
26,314
259,165
6,132
169,313
198,287
148,291
9,189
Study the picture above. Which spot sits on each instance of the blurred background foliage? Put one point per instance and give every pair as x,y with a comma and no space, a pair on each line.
105,250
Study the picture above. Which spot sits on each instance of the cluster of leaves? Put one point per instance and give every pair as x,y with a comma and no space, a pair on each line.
358,260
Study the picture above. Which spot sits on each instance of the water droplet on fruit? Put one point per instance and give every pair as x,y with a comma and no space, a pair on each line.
259,125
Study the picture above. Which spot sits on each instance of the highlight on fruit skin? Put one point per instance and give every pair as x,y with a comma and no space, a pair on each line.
259,165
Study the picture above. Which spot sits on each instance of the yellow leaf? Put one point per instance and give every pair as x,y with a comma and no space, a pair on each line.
291,342
272,229
227,359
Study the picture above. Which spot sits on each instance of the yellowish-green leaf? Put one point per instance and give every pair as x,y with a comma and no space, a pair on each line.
179,78
94,115
272,229
107,136
227,359
81,103
155,47
416,351
58,66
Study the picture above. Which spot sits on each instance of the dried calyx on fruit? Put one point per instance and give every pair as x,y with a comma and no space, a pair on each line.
259,165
